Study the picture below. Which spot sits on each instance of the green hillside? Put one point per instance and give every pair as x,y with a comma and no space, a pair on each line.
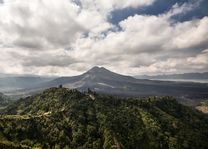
63,118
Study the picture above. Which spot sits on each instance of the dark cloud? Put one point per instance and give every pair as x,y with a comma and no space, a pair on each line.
59,61
44,59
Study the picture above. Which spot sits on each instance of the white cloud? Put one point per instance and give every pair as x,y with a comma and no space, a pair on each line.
38,24
46,24
35,36
106,7
191,34
147,44
197,63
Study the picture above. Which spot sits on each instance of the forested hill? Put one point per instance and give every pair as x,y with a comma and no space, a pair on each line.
63,118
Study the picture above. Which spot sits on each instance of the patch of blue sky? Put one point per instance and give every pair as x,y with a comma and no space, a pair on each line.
160,7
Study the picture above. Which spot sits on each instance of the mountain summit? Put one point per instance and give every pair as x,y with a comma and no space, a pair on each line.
99,72
102,74
97,69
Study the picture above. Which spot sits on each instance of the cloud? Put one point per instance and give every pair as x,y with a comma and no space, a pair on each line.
197,63
201,59
181,9
59,58
191,34
147,44
106,7
51,24
67,37
39,24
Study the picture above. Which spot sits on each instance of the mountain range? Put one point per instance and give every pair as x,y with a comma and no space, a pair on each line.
194,77
104,81
101,80
12,83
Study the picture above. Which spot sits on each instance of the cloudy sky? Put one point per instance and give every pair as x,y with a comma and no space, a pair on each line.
134,37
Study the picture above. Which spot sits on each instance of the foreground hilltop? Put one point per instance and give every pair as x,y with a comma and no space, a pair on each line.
63,118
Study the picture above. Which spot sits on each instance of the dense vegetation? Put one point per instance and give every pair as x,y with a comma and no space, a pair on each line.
4,100
63,118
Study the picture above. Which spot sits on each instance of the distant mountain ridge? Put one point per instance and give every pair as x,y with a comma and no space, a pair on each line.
20,82
185,76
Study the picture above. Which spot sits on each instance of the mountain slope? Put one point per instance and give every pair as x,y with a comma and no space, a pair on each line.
104,81
60,118
90,78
